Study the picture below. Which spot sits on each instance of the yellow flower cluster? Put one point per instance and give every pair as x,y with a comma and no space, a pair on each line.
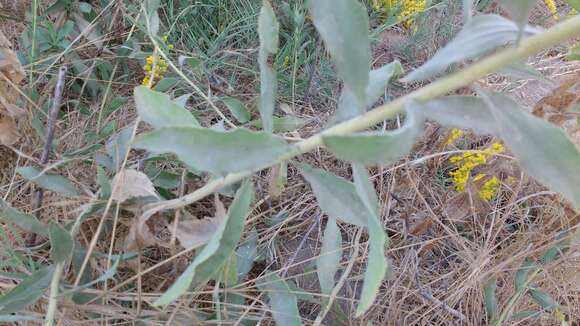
155,68
551,5
455,134
468,161
408,9
489,188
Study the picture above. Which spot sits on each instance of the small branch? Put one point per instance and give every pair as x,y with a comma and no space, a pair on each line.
553,36
50,127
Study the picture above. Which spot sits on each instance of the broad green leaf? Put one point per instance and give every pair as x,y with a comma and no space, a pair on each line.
490,298
53,182
544,300
24,221
479,36
59,5
327,263
283,302
104,184
378,81
519,11
108,274
268,34
344,27
215,151
27,292
282,124
467,9
376,147
218,251
522,71
237,108
246,254
165,84
542,149
61,243
377,263
521,277
555,252
158,110
574,4
336,196
118,146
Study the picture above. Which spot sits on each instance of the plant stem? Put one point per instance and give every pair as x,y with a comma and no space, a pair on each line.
53,299
551,37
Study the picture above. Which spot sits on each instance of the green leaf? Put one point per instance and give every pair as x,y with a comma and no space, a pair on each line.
544,300
336,196
27,292
219,249
246,254
490,298
59,5
522,71
24,221
378,81
282,124
479,36
158,110
555,252
376,147
118,145
519,10
574,53
103,181
237,108
215,151
283,302
521,278
467,9
574,4
327,263
344,27
542,149
53,182
377,263
61,243
268,34
165,84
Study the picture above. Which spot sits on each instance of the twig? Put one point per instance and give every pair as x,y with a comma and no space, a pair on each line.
51,123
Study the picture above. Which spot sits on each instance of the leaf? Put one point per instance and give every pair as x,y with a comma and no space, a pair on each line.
521,278
336,196
237,108
522,71
377,264
158,110
479,36
27,292
9,133
195,233
129,183
344,26
57,6
53,182
574,4
26,222
165,84
61,243
378,81
574,53
218,251
542,149
215,151
104,184
490,298
268,34
282,124
376,147
283,302
119,144
327,263
89,31
467,9
544,300
138,237
246,254
519,10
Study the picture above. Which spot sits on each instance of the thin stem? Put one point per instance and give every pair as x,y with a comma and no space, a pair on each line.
53,300
443,86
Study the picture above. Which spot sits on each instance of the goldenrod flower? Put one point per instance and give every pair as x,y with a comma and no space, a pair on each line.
455,134
551,5
489,189
154,68
468,161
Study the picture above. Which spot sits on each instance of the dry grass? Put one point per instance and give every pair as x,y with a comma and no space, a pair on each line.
439,264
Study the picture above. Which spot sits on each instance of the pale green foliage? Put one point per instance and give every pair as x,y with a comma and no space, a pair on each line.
215,151
53,182
268,33
479,36
26,292
237,108
490,298
61,243
328,261
158,110
283,302
26,222
218,251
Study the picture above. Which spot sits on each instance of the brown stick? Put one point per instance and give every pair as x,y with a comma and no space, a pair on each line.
51,123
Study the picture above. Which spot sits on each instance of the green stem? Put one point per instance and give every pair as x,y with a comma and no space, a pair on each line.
52,301
443,86
507,311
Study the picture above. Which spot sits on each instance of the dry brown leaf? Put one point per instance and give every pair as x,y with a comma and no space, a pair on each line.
420,223
462,204
139,238
195,233
130,183
8,131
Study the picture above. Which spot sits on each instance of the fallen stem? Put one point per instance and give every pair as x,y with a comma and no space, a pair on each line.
551,37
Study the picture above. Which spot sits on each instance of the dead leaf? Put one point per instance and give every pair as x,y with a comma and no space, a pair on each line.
195,233
464,204
286,109
420,223
139,238
129,183
8,131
